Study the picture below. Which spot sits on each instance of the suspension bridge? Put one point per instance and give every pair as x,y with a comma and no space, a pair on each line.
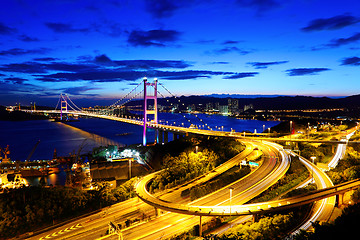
147,93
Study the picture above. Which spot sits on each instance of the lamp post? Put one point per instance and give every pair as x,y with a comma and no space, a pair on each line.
290,132
196,149
129,168
312,168
231,189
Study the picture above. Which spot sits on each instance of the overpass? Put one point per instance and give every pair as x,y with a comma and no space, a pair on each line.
245,209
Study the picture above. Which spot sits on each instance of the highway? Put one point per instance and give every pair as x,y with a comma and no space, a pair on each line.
94,226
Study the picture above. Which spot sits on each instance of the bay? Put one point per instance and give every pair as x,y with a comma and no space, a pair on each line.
21,136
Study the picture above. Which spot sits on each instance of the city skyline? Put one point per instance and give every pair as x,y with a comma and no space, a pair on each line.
94,50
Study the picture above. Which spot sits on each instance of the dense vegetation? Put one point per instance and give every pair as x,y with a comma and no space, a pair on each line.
28,208
266,228
348,168
224,179
322,153
189,164
184,167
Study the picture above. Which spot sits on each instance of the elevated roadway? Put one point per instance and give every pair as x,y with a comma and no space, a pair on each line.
185,130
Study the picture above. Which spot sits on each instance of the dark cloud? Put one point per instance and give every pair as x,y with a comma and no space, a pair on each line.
332,23
80,90
45,59
27,67
260,65
219,63
305,71
15,80
231,42
241,75
101,63
103,60
259,5
35,67
343,41
165,8
353,61
26,38
151,64
141,64
229,50
5,30
21,51
185,75
108,75
153,37
65,28
103,75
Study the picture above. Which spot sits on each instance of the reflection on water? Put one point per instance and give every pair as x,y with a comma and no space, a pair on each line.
68,138
54,179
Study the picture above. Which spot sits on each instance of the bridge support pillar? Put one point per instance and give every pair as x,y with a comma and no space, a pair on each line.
160,137
157,212
200,227
255,218
332,148
175,136
340,199
166,137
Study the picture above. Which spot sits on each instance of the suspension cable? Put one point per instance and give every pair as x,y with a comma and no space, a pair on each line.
114,104
183,104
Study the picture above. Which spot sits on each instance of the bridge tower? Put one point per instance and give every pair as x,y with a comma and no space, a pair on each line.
63,106
146,110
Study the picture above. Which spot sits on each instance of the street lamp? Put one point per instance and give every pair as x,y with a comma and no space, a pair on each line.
231,189
290,131
129,168
312,168
196,149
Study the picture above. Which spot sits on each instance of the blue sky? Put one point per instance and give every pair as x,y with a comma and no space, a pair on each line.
100,49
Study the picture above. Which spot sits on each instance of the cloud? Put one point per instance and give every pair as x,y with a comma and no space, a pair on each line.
45,59
332,23
26,38
231,42
80,90
151,64
5,30
353,61
241,75
15,80
116,75
21,51
65,28
261,65
103,69
165,8
305,71
228,50
26,67
259,5
156,38
342,41
141,64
